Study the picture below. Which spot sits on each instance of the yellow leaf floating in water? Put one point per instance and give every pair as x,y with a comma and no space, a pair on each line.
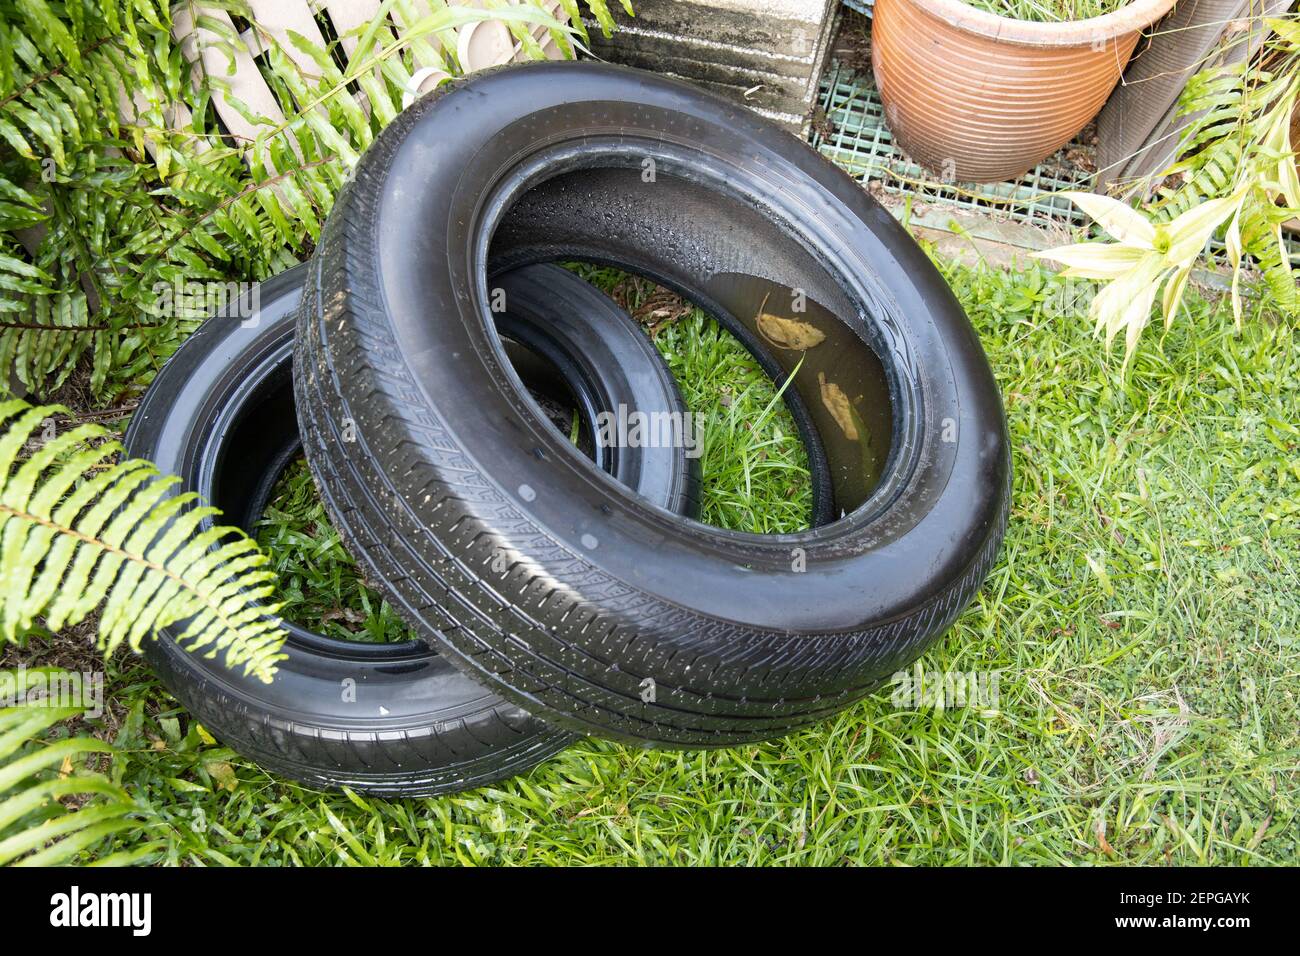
837,403
787,333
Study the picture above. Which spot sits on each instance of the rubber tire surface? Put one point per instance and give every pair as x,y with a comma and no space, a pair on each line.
220,415
612,617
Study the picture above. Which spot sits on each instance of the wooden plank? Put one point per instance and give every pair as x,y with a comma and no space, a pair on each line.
202,47
350,15
276,18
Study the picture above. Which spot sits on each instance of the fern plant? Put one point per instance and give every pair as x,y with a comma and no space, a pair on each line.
80,531
38,774
1238,143
120,178
1235,175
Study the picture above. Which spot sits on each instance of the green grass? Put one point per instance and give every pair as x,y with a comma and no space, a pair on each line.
1144,617
320,584
1049,11
753,467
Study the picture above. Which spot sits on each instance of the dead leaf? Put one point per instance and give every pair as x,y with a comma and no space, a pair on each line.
65,768
1260,833
1101,838
661,308
837,403
223,774
347,615
789,333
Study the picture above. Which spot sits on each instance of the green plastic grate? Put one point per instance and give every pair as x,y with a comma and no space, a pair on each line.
853,134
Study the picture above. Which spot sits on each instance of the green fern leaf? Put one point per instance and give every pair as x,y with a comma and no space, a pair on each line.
80,530
162,192
1231,146
600,10
37,775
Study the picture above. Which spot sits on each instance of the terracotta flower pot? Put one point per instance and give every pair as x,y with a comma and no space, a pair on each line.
979,98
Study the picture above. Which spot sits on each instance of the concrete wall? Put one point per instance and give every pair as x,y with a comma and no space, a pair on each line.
767,54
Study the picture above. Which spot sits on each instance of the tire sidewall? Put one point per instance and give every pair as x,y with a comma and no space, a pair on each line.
178,427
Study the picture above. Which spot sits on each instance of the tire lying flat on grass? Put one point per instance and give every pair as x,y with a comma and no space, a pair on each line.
393,719
611,616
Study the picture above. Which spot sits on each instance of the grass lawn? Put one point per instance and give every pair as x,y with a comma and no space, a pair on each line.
1144,621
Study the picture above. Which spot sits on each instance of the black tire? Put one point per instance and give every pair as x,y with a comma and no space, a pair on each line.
614,617
221,416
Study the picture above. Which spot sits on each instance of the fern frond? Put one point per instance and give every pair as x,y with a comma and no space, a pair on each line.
80,530
106,193
37,775
600,10
1235,142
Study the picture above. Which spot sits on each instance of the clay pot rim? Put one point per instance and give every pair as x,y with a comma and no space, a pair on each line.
1137,15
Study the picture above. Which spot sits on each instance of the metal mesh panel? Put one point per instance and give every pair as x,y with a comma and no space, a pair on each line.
853,134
